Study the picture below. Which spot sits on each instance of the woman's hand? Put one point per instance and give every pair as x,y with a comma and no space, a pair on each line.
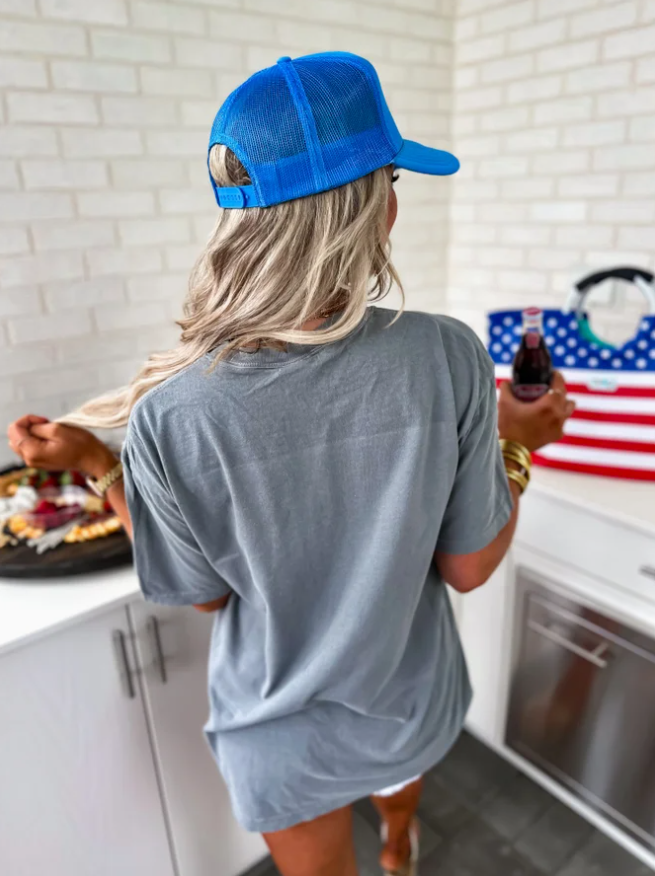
56,447
534,424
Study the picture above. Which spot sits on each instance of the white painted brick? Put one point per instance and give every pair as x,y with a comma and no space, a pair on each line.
382,18
191,144
551,259
25,361
22,73
643,129
537,35
147,172
19,302
410,50
646,70
111,318
476,190
478,98
468,147
138,111
481,49
204,54
466,28
594,133
430,27
240,26
558,211
627,157
443,56
97,143
158,287
499,256
563,110
522,280
584,237
116,204
595,185
44,327
509,165
181,201
53,108
100,11
507,69
43,38
535,140
527,189
509,16
622,103
466,77
120,261
552,8
636,237
639,184
27,270
92,76
505,119
526,235
55,383
84,293
25,206
560,162
125,46
172,81
8,176
45,174
648,10
21,141
630,43
151,232
473,234
304,37
608,18
72,235
13,240
182,258
26,8
599,78
620,212
467,7
169,17
532,90
198,113
568,56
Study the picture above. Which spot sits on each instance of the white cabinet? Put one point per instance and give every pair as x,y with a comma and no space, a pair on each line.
172,646
78,788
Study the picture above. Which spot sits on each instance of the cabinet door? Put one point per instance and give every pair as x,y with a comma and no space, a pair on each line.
78,789
174,643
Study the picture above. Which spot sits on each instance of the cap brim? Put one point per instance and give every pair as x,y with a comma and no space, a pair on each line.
423,159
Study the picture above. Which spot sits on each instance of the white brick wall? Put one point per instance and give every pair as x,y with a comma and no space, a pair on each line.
105,108
575,123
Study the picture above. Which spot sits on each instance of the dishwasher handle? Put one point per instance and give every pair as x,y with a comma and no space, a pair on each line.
596,656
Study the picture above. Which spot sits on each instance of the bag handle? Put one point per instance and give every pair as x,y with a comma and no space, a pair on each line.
642,279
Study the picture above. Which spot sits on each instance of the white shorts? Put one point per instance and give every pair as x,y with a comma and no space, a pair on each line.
389,792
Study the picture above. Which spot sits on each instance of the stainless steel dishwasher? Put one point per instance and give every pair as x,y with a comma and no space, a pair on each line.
582,704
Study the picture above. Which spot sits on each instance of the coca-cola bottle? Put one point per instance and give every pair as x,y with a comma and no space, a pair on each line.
532,370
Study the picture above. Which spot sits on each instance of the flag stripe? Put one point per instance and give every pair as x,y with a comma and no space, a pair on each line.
608,417
599,456
607,471
608,443
595,388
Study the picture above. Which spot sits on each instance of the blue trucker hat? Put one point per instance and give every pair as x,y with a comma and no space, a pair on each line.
312,124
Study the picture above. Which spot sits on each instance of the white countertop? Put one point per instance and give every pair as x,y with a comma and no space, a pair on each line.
630,502
32,608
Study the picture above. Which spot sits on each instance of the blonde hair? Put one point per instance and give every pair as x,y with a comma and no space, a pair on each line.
264,273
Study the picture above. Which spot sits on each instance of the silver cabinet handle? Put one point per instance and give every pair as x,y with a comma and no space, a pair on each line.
595,656
123,664
648,571
152,627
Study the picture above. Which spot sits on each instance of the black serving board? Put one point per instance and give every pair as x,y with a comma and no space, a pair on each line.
66,559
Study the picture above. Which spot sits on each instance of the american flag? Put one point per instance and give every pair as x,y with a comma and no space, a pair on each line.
612,431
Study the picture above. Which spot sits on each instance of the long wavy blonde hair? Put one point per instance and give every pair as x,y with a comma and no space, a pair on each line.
264,273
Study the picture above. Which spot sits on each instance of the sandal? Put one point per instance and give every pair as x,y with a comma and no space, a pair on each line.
411,867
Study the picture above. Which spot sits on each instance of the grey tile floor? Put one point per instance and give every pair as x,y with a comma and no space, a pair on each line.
481,817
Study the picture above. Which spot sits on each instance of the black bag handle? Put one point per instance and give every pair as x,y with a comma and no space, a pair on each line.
625,273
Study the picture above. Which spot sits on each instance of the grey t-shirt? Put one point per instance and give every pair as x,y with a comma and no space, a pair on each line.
313,485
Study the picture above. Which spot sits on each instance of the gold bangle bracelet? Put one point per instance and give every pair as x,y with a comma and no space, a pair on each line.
523,465
518,478
515,447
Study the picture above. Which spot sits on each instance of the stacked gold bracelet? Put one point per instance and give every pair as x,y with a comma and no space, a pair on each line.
514,452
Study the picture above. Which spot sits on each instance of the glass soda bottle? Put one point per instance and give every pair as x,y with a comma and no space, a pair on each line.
532,370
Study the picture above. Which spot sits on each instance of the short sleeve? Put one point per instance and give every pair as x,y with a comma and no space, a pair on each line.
480,502
171,567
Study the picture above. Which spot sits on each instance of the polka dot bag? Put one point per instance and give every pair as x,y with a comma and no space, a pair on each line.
612,431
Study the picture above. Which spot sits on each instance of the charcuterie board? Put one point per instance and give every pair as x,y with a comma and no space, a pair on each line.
22,561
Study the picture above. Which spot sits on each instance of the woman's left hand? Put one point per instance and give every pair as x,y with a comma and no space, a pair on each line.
57,447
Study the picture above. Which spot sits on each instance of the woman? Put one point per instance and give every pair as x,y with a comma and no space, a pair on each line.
314,469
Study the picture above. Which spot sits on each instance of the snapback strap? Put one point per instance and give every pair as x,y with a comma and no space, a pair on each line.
236,197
